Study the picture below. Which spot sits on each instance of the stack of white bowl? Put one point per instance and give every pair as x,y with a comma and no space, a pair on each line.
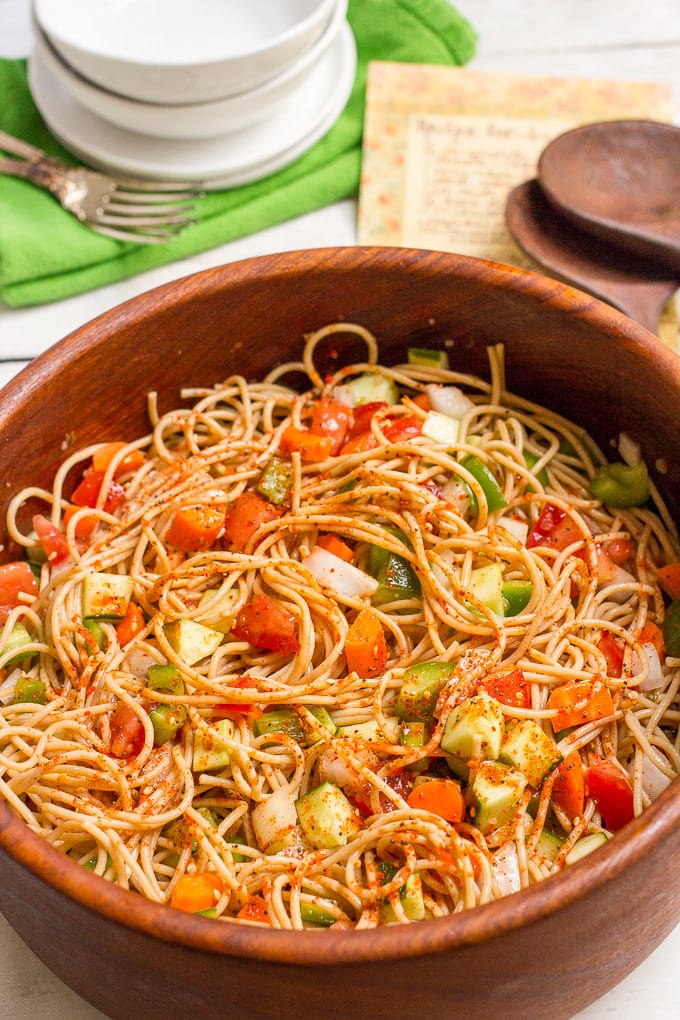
219,92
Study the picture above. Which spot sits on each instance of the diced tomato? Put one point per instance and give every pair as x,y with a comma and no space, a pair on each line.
651,634
51,539
311,447
249,512
236,708
401,782
611,791
16,579
619,550
360,443
87,492
510,688
127,732
132,461
402,429
255,909
266,625
333,419
569,786
554,528
362,417
613,653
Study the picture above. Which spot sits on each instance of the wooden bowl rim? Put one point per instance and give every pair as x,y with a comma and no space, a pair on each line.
311,948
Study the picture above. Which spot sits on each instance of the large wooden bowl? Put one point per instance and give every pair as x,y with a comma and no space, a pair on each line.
547,951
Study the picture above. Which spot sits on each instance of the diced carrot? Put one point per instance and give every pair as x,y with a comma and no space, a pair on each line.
613,653
366,646
360,443
335,545
131,624
510,688
193,893
255,909
132,461
422,401
575,704
442,797
248,513
569,786
669,579
651,634
86,524
195,528
311,447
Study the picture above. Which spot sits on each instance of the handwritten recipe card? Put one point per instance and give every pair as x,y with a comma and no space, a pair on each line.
443,147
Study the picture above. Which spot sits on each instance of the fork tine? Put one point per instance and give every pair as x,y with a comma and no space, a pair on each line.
142,221
148,237
123,195
186,209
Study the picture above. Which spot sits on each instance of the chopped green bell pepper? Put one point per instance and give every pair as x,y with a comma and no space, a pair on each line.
490,487
671,629
621,485
276,481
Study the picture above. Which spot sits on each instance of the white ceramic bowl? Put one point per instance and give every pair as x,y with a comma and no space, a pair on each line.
192,121
174,52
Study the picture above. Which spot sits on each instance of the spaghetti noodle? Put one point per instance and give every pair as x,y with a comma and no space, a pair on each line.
378,652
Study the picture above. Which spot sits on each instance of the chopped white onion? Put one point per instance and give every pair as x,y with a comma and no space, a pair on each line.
655,677
654,782
516,527
505,867
454,492
341,577
137,661
274,820
449,400
629,449
344,395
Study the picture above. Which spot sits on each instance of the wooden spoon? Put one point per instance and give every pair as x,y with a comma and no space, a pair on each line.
620,181
617,277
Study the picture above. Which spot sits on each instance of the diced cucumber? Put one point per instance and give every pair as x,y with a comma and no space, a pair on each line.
441,428
210,753
413,734
192,641
283,720
474,729
549,845
221,615
314,913
496,792
327,817
585,846
17,639
370,387
370,731
411,896
275,821
516,596
106,596
420,689
325,726
527,748
486,584
428,357
29,690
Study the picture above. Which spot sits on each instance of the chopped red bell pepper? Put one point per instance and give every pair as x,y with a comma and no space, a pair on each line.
611,791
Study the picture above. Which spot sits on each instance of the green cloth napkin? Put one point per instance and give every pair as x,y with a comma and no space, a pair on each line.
46,254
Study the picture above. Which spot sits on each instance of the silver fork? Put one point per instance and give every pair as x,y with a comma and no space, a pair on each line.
145,212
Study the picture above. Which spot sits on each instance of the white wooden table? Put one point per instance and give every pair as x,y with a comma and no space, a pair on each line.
636,39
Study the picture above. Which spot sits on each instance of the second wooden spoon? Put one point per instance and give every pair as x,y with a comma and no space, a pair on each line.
618,278
620,181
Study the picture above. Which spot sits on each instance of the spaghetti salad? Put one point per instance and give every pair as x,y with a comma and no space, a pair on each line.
378,652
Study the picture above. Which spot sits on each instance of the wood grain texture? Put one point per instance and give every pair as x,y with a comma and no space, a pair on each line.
620,182
133,958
